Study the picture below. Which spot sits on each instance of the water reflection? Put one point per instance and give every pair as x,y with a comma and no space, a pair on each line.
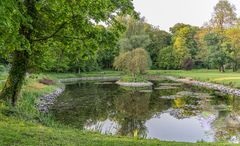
182,113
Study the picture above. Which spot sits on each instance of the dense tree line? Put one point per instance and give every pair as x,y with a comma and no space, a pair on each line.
214,45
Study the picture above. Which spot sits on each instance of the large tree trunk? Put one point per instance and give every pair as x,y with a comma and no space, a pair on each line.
16,77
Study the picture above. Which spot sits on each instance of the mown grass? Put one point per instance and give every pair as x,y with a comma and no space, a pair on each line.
106,73
228,78
24,125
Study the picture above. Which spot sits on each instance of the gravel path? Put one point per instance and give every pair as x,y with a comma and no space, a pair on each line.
221,88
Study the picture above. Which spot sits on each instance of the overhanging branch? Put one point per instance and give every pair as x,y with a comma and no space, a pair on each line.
52,35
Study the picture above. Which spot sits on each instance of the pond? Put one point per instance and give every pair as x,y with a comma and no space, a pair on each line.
167,111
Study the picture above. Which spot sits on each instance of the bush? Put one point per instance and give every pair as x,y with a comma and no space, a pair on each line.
134,62
121,62
2,68
133,79
166,58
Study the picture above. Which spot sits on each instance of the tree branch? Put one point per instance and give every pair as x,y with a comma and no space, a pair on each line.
52,35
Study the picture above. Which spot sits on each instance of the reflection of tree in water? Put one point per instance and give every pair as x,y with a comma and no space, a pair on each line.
89,104
86,105
184,107
132,110
227,125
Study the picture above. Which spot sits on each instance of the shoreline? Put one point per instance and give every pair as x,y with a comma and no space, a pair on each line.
218,87
47,100
134,84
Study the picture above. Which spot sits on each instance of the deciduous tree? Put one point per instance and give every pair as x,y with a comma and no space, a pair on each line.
31,27
224,15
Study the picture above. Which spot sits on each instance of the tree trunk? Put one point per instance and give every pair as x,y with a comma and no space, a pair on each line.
234,67
221,68
16,77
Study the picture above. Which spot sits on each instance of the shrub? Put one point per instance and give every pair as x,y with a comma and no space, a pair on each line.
2,68
135,62
121,62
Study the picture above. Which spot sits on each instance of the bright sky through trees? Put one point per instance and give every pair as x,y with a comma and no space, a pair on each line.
166,13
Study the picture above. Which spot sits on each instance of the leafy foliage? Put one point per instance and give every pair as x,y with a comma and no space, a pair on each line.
224,15
134,62
218,55
31,30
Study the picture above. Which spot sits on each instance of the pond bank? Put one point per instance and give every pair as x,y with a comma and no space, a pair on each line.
47,100
134,84
218,87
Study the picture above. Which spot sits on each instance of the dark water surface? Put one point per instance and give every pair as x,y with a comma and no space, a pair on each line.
171,112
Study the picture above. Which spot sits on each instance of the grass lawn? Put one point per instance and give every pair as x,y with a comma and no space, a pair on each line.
106,73
228,78
21,133
25,125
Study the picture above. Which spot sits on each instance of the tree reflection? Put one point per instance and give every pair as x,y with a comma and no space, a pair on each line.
132,111
227,125
91,105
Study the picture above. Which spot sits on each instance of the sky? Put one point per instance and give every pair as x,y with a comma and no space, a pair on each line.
166,13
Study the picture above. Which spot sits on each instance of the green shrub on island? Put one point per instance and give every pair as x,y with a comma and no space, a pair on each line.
134,62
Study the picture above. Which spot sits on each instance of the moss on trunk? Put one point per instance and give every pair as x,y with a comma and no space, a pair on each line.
16,77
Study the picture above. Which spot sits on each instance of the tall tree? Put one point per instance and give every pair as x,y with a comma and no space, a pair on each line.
159,40
184,43
218,51
224,15
201,59
30,26
135,35
233,35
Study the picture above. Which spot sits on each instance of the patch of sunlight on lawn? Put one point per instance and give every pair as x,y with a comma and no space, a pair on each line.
226,78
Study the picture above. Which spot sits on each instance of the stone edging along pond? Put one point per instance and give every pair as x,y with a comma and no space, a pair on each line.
47,100
133,84
218,87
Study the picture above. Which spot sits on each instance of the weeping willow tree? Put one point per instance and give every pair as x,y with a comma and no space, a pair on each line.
134,62
28,28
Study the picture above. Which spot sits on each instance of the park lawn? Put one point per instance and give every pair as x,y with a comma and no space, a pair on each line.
228,78
105,73
25,125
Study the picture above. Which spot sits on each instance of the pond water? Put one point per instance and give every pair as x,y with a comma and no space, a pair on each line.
167,111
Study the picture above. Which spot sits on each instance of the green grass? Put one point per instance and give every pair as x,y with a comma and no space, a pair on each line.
84,74
24,125
21,133
228,78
